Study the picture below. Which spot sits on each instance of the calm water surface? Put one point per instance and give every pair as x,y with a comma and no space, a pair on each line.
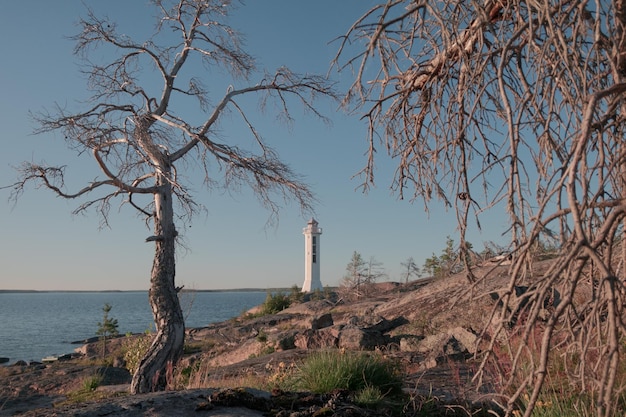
35,325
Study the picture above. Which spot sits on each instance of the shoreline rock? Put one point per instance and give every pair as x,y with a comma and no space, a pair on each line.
400,323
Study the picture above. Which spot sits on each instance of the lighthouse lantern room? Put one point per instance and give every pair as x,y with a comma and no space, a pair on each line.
312,234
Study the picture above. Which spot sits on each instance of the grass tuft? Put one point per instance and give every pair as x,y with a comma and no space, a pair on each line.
326,371
369,397
87,392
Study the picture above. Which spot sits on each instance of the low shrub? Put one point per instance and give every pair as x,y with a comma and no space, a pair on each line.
296,295
134,350
262,336
92,382
287,343
275,303
323,372
369,397
267,350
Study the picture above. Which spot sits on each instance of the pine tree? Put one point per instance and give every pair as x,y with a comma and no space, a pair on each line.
108,327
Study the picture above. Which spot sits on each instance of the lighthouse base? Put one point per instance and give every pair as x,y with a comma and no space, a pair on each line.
311,285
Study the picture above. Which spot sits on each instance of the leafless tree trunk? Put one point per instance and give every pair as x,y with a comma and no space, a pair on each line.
516,106
360,277
167,346
411,269
141,142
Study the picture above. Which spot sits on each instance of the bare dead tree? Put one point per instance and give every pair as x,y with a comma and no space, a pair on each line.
410,269
354,279
142,142
360,277
517,106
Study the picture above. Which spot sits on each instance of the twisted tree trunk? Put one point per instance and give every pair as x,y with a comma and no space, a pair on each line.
167,346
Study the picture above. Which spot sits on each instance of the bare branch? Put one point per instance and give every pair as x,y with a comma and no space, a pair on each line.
522,102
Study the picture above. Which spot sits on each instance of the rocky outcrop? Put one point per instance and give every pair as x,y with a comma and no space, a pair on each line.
364,325
456,343
425,326
318,339
319,325
356,333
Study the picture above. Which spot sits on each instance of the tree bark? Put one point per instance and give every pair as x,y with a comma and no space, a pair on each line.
167,346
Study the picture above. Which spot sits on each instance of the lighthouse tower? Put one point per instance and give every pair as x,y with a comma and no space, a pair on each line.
311,257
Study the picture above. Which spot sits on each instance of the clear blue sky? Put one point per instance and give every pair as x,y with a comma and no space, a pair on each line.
44,247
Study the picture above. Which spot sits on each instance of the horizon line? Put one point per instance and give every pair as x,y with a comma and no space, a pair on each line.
248,289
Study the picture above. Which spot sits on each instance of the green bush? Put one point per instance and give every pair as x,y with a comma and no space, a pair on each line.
287,343
267,350
92,382
262,337
323,372
134,350
296,295
369,397
275,303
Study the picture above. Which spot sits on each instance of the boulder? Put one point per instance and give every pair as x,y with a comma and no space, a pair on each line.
385,325
323,321
318,339
522,298
351,336
355,338
410,343
456,343
467,339
3,359
454,348
442,344
433,343
112,375
376,323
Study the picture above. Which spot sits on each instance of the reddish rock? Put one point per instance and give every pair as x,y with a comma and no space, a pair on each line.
317,339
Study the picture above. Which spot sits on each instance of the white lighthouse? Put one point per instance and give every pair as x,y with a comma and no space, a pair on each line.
311,257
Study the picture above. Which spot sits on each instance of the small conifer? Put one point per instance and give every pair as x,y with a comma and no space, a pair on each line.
108,327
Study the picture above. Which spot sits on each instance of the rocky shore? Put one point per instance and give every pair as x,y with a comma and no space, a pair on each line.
430,327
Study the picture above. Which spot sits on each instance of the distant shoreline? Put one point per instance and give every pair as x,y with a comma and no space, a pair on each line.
115,291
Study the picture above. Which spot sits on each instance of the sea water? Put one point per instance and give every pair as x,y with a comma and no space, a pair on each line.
39,324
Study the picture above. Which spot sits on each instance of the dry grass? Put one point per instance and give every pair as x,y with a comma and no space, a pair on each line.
562,393
201,375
